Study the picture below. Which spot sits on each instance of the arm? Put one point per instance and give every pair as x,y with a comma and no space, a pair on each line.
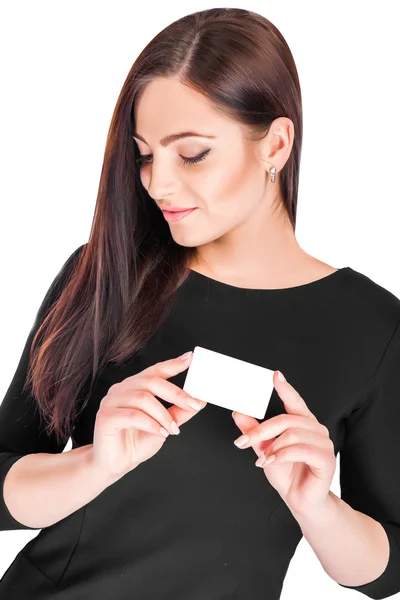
41,489
357,537
21,433
352,547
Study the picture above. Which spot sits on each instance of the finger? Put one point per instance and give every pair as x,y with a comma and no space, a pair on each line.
166,390
318,459
294,403
110,420
139,400
180,415
295,436
166,368
276,425
245,423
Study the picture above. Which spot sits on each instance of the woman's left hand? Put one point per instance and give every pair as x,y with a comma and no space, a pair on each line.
305,461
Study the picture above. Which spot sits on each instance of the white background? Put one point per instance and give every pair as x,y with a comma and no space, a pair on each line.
62,67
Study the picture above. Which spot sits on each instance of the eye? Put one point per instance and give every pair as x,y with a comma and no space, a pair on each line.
145,158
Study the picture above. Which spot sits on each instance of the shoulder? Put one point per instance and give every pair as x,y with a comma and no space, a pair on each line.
370,303
67,268
59,281
73,258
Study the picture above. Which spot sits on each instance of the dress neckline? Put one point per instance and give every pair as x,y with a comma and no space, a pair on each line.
311,285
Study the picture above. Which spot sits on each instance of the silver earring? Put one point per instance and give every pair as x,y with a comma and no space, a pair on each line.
272,173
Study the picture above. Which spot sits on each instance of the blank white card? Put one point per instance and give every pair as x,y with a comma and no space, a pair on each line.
229,382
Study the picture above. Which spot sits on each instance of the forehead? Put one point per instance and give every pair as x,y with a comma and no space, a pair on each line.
167,106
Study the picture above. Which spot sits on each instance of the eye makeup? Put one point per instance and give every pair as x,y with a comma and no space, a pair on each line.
144,159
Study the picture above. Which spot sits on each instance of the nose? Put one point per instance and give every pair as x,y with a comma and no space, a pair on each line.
161,182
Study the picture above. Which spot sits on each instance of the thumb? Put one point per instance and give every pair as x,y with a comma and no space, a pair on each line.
245,424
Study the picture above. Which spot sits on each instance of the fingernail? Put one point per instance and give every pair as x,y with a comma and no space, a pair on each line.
174,428
241,441
186,355
164,432
195,404
260,461
270,459
280,376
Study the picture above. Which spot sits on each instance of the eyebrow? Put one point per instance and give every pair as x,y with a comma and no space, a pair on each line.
168,139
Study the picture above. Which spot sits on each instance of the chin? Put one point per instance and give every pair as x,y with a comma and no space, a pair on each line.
185,243
187,239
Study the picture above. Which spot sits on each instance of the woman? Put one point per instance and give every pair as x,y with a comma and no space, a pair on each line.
131,512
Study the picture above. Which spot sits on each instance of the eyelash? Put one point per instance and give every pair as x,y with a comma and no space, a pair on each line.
185,161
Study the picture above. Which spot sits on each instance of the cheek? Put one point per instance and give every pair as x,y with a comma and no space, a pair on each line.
232,188
144,178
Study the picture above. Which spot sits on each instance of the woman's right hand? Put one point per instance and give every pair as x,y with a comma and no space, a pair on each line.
128,422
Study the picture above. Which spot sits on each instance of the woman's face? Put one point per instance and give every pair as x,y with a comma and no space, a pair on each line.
228,186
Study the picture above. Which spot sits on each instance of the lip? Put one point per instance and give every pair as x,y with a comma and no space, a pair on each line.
173,216
177,208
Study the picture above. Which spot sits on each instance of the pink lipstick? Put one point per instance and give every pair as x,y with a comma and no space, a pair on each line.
172,217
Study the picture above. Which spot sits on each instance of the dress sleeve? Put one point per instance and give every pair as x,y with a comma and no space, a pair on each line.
369,463
19,421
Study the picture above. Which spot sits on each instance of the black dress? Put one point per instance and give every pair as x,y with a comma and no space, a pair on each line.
199,520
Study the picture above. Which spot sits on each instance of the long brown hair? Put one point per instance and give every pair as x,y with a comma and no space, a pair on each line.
120,284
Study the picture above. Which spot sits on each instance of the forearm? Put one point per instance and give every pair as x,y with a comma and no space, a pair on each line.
41,489
352,547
